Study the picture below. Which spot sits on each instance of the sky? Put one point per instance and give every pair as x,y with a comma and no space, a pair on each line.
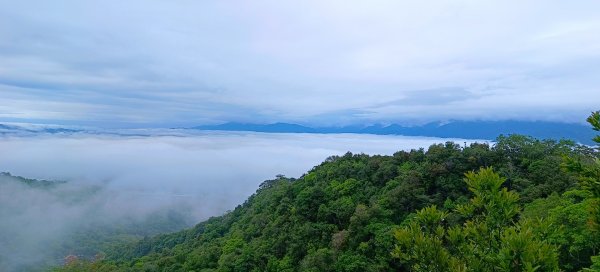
186,63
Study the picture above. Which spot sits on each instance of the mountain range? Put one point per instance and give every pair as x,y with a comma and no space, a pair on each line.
486,130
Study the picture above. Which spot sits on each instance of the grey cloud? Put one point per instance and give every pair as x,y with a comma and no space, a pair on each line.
271,60
431,97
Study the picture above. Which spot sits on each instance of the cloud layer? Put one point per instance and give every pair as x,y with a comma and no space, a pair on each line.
181,63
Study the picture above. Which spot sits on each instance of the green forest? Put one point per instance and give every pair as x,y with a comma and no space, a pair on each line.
521,204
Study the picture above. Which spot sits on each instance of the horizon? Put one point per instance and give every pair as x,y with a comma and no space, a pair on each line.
71,125
488,130
300,124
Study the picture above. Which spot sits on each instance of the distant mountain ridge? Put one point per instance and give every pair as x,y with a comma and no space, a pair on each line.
484,130
39,183
487,130
24,130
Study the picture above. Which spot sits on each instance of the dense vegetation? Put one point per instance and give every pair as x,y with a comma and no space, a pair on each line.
519,205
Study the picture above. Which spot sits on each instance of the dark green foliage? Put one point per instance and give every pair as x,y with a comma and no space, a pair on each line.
588,171
567,216
594,120
490,238
341,215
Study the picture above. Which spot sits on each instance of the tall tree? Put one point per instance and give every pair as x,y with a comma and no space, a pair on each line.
488,239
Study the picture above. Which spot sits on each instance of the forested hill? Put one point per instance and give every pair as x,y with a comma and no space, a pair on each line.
518,209
36,183
42,221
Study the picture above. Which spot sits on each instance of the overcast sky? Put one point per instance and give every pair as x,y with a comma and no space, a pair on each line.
184,63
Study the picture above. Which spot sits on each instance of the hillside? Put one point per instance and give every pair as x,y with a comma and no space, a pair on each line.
355,213
43,221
